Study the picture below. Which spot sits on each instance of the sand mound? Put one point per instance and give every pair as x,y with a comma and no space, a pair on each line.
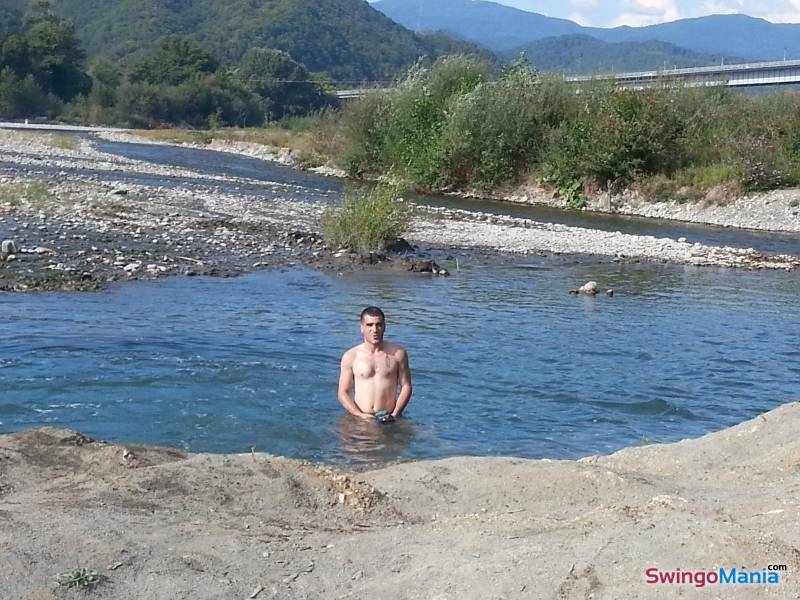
158,523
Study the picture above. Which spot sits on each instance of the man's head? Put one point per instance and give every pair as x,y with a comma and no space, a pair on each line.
373,325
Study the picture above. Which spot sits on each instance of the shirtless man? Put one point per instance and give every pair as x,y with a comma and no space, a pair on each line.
377,369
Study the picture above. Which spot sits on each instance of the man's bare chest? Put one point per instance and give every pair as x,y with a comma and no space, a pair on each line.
383,366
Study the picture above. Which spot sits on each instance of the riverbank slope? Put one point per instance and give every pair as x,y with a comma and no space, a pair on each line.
162,524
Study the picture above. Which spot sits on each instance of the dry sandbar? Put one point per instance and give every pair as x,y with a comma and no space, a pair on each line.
159,523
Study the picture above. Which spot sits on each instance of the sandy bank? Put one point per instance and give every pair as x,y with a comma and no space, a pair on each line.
160,524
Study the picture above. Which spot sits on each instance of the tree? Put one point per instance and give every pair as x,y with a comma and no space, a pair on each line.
10,20
107,80
16,55
20,97
56,58
174,61
285,85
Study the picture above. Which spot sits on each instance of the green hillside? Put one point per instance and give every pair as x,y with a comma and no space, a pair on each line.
347,39
10,19
583,54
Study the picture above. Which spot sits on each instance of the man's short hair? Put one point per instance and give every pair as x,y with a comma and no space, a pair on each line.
372,311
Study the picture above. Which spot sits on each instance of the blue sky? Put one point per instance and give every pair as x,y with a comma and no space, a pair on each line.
610,13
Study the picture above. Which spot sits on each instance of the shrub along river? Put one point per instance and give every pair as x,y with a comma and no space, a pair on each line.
504,361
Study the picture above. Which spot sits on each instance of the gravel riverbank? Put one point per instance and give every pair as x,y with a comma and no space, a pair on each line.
76,231
775,210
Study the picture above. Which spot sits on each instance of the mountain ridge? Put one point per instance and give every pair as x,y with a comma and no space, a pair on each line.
346,39
723,35
583,54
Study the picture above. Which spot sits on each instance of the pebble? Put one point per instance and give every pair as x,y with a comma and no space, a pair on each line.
8,247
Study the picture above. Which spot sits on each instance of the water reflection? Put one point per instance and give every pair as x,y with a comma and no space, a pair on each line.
369,441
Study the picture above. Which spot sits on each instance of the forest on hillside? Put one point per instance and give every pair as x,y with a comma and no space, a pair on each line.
345,40
43,73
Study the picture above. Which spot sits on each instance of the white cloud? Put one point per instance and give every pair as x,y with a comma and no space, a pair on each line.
580,19
647,12
777,11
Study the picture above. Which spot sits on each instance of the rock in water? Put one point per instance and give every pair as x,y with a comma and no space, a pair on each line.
400,246
8,247
589,288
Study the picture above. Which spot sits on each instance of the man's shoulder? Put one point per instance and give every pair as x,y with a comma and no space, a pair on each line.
351,353
394,349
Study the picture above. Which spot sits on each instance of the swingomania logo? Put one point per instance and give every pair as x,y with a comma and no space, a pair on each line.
769,575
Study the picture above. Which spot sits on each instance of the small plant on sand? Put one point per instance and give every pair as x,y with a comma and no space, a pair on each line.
83,578
366,221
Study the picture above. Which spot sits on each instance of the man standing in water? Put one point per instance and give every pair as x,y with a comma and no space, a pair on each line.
377,369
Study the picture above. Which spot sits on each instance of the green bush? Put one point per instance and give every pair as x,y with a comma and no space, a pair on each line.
366,221
364,123
452,126
621,135
418,115
494,132
400,131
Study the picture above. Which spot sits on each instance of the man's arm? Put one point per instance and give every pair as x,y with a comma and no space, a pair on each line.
346,380
404,379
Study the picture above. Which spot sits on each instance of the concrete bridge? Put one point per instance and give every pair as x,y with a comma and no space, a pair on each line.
783,72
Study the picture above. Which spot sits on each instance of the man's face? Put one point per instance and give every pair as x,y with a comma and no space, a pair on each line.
373,328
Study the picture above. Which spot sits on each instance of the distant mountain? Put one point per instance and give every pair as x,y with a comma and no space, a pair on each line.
583,54
347,39
501,28
491,25
716,34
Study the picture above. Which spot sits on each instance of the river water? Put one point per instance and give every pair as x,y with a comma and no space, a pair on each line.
504,361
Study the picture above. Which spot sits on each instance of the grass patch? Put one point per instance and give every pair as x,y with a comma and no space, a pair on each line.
707,177
716,183
33,192
274,135
65,142
175,136
82,578
366,221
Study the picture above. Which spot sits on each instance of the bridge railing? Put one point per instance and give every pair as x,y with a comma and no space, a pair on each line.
747,74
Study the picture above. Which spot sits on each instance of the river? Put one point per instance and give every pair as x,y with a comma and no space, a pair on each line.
504,361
